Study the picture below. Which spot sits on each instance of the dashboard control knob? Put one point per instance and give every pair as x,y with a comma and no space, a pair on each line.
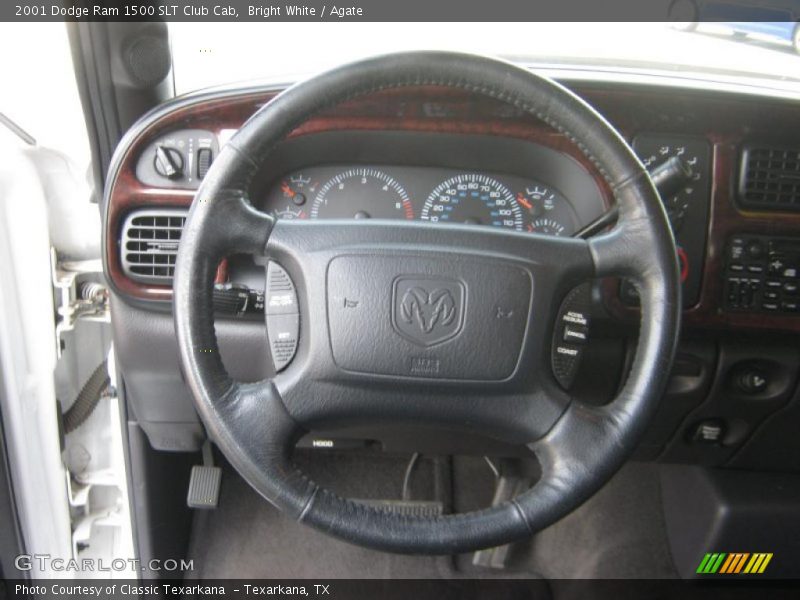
168,162
752,381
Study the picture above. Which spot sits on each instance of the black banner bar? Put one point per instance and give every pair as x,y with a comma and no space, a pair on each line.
399,10
399,589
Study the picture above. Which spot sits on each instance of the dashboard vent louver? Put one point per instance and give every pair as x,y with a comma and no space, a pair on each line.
149,245
770,178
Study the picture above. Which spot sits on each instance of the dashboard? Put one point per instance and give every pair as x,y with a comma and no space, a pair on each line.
444,156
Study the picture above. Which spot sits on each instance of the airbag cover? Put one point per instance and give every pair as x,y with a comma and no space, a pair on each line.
434,317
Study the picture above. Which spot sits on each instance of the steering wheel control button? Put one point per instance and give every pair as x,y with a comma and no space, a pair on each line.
281,296
576,334
283,317
427,316
571,335
283,332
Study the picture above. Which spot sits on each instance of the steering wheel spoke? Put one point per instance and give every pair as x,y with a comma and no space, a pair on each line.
229,223
255,412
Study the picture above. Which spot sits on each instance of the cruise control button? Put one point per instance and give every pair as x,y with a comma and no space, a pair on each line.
283,332
576,318
571,335
576,334
281,298
283,318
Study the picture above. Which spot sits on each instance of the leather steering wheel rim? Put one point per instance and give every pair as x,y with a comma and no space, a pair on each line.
256,425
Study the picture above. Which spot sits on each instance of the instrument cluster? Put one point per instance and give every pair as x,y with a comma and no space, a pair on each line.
438,195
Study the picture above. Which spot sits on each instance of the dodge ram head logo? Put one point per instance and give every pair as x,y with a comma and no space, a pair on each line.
427,311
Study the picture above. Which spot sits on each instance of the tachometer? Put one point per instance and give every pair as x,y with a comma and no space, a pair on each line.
362,193
473,198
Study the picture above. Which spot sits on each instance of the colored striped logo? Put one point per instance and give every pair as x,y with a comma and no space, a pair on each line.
734,563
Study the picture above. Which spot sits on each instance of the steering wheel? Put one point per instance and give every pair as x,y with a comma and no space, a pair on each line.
443,325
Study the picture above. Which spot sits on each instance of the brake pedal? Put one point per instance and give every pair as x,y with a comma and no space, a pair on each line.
204,482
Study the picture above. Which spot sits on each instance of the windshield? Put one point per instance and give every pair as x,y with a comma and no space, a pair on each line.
210,54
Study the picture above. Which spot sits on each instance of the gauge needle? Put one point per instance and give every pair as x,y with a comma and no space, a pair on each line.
287,190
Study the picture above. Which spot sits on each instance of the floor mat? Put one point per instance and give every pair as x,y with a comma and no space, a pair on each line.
618,533
246,537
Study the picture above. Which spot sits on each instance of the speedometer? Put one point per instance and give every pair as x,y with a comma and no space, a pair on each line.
473,198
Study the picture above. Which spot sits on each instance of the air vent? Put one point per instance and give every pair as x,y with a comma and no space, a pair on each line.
770,178
149,245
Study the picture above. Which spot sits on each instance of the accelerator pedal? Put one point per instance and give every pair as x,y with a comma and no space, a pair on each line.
512,480
204,482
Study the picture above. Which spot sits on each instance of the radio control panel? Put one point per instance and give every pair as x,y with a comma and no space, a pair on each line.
762,274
